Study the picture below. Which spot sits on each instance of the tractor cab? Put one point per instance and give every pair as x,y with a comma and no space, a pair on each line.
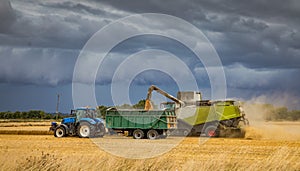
84,113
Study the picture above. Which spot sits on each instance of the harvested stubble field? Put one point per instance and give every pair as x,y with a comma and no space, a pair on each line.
261,149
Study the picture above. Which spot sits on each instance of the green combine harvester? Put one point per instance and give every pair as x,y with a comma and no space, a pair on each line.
197,117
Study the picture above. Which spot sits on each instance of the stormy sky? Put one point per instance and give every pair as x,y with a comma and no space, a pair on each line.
258,43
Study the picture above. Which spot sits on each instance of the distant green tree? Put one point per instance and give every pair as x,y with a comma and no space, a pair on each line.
24,115
17,115
42,114
294,115
48,116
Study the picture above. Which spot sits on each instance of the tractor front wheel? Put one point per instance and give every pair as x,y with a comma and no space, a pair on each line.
84,130
59,132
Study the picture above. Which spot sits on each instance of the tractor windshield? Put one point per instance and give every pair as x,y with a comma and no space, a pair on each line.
80,114
85,113
91,113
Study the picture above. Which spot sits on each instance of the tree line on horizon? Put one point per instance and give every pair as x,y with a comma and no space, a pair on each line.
40,114
271,113
32,114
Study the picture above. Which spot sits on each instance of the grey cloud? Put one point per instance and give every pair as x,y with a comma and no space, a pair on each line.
50,67
231,23
82,7
241,77
276,10
271,84
7,16
54,28
253,33
246,36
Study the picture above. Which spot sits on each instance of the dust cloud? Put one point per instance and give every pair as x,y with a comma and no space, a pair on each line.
260,129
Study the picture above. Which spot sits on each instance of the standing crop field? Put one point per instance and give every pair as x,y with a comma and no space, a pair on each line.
255,152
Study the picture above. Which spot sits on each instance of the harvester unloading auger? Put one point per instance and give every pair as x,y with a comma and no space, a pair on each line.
197,117
148,104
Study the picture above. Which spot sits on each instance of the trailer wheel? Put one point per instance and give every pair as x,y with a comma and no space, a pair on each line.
138,134
60,132
211,131
152,134
84,130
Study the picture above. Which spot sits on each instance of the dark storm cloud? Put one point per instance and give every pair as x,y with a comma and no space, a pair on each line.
241,31
39,44
252,34
43,26
51,68
257,41
276,10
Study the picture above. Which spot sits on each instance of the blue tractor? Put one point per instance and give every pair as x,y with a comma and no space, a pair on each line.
84,123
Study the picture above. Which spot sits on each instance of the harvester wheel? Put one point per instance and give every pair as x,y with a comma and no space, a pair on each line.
211,131
60,132
84,130
152,134
138,134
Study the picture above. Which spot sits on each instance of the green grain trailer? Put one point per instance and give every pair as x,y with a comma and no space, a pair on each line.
141,123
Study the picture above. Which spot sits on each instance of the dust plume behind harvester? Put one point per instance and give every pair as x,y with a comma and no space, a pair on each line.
195,116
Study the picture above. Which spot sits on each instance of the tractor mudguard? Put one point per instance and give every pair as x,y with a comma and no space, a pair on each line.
88,120
99,120
66,128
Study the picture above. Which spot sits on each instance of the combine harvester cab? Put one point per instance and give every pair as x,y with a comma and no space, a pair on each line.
84,124
140,124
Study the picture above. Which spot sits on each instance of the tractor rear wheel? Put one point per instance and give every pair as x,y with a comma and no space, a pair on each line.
59,132
84,130
152,134
211,131
138,134
102,130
